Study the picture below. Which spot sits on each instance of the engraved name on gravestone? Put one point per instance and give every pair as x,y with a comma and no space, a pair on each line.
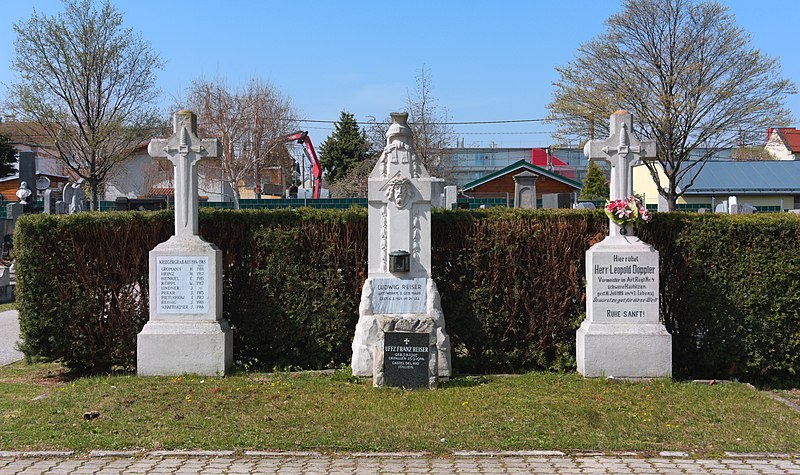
182,284
624,287
406,359
392,296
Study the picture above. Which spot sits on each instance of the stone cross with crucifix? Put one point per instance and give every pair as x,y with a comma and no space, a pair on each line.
622,150
186,332
185,150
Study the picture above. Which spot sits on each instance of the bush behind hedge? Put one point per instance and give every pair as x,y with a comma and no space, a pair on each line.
512,286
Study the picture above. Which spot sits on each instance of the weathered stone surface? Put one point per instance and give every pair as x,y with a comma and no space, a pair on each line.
400,192
622,335
186,332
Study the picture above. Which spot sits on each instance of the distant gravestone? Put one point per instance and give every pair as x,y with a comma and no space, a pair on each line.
399,300
437,192
525,190
49,202
74,197
450,197
622,335
61,207
556,200
27,174
14,210
663,206
186,332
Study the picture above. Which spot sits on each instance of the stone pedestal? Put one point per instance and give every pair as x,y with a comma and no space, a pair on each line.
404,315
186,332
622,335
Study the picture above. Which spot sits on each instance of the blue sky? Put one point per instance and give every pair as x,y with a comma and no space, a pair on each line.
488,60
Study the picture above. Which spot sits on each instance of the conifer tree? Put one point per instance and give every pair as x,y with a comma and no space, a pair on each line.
8,157
345,148
595,186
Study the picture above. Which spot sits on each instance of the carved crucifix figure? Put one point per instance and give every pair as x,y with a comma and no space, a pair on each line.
622,150
185,150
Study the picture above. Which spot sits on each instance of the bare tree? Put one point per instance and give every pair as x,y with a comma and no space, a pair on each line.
429,122
251,121
89,83
687,73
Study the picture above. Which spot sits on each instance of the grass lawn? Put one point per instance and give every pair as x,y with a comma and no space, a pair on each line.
8,306
41,408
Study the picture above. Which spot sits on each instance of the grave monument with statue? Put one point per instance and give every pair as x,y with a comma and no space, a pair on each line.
400,337
622,335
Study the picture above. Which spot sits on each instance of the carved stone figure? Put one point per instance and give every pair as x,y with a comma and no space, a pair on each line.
23,193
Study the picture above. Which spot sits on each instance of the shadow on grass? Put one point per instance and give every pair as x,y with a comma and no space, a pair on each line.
464,382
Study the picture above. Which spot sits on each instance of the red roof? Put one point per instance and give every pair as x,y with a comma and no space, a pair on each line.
790,137
539,158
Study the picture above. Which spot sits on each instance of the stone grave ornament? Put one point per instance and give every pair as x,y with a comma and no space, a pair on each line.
400,337
186,332
23,193
74,197
622,335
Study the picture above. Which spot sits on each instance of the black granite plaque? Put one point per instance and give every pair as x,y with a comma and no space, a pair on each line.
405,359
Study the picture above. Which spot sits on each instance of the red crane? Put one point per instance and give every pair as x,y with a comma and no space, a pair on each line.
316,169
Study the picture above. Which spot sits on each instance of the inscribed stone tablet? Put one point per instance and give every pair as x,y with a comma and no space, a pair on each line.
405,359
624,286
399,295
182,284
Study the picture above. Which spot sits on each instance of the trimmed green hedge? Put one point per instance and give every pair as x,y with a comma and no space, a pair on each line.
512,286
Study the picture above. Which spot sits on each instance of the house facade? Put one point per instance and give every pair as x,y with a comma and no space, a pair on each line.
783,143
501,183
769,185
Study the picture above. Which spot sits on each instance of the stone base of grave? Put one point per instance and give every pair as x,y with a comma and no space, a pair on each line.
393,324
622,335
195,338
370,327
174,348
624,350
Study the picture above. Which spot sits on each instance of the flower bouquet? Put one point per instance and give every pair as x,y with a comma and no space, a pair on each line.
627,211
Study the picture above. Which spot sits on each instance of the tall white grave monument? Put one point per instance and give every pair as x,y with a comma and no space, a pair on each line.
400,338
622,335
186,332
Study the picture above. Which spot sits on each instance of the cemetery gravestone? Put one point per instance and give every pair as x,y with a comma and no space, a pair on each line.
622,335
49,202
525,190
27,175
14,210
399,299
186,332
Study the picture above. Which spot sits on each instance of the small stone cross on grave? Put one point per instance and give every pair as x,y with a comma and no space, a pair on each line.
185,150
622,150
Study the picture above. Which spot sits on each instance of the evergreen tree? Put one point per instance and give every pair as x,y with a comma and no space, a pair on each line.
595,186
8,157
345,148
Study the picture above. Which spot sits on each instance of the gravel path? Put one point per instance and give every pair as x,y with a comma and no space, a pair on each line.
9,334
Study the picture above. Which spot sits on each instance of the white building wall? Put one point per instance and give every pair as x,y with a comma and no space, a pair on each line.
777,148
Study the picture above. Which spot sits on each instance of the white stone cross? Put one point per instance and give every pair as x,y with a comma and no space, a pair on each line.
185,150
622,150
